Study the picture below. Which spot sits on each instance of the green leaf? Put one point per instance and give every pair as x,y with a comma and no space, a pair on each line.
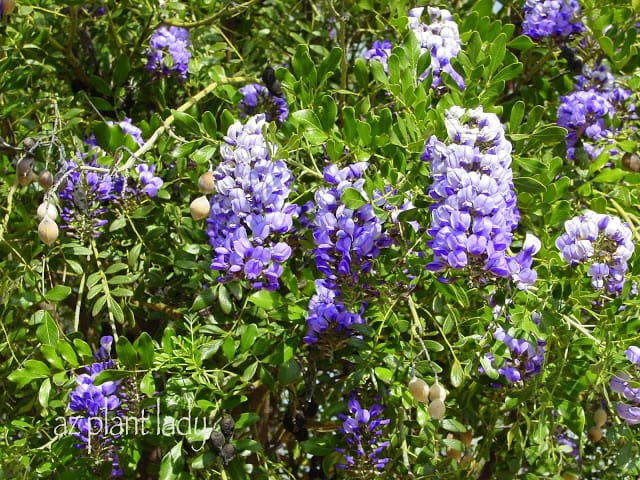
145,349
303,67
210,124
522,42
528,184
47,332
229,348
121,69
126,353
456,374
44,392
248,337
185,122
453,425
312,129
384,374
267,300
224,299
172,463
352,198
50,355
58,293
31,370
67,353
148,385
610,175
289,372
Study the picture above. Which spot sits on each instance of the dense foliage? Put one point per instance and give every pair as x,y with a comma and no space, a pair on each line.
307,240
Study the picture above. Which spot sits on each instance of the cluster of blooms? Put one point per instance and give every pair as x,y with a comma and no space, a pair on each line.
475,212
347,240
362,429
441,39
601,240
380,51
525,360
249,208
622,384
90,188
257,99
92,405
567,443
551,18
587,111
169,52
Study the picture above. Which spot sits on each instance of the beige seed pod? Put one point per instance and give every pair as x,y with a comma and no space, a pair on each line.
45,179
47,209
200,208
600,417
419,389
48,231
206,182
595,434
437,391
436,409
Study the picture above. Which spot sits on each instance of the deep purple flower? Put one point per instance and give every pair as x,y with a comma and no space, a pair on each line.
551,18
362,429
475,210
379,51
150,183
628,385
168,53
603,242
249,209
523,361
130,129
257,99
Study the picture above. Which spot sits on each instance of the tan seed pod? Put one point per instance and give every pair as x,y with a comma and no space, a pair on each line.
47,209
436,409
600,417
45,179
437,391
48,231
466,438
206,182
631,162
454,454
200,208
419,389
8,6
24,172
595,434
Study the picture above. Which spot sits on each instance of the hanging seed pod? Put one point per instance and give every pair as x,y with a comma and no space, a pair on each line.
454,454
419,389
206,182
437,392
228,453
466,438
8,6
48,231
227,424
595,434
600,417
437,409
24,170
631,162
45,179
47,209
200,208
217,440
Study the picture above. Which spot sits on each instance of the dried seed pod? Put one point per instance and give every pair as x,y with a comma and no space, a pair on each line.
228,453
419,389
45,179
217,440
227,424
631,162
200,208
47,209
437,409
595,434
8,6
454,454
48,231
206,182
600,417
24,170
466,438
437,392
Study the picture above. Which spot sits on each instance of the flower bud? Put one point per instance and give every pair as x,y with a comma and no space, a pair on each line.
47,209
48,231
437,391
419,389
206,182
45,179
436,409
200,208
600,417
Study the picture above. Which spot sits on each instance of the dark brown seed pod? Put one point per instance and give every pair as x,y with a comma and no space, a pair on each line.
631,162
227,424
24,170
217,440
45,179
228,453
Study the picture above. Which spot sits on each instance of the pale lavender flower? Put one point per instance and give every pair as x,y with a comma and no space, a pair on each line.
168,53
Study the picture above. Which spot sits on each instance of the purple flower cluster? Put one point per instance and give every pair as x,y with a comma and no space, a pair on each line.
524,361
346,242
169,53
92,405
629,388
441,39
587,111
362,430
379,51
90,187
475,211
567,443
249,209
602,241
257,99
551,18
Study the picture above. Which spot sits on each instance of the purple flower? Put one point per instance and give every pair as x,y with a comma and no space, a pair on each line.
249,210
441,39
551,18
150,183
628,386
362,429
524,360
380,51
257,99
603,242
475,210
130,129
168,53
